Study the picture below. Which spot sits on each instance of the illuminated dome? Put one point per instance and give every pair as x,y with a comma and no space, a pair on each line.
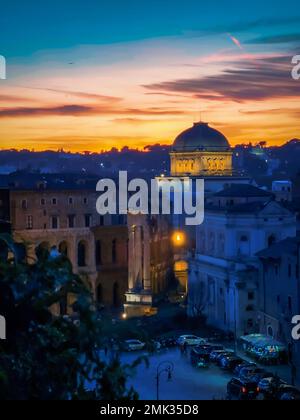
201,137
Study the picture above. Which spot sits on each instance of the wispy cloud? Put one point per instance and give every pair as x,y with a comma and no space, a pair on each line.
250,80
83,110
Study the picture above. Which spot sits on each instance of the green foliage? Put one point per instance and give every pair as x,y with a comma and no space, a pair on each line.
47,357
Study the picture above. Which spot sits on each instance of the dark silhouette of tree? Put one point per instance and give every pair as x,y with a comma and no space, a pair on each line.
47,357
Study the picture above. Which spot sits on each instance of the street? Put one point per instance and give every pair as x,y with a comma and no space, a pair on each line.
187,383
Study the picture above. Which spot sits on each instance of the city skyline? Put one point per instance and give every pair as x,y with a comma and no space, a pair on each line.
96,75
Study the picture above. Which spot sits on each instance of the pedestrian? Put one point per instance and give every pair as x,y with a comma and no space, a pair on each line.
185,348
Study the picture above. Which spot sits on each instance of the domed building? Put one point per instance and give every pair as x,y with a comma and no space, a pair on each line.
201,151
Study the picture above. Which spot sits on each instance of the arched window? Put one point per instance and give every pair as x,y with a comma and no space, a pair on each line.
114,251
270,331
81,254
98,252
42,251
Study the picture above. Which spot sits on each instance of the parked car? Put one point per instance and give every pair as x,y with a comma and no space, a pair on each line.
220,358
200,352
238,368
214,355
270,385
168,342
257,377
287,393
198,358
230,362
246,372
242,390
134,345
190,340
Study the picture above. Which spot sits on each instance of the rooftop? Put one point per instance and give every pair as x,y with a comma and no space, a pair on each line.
201,137
243,190
288,246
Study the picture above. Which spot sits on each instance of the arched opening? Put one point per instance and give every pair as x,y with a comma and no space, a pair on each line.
116,299
271,240
99,293
42,251
270,331
98,252
63,248
81,254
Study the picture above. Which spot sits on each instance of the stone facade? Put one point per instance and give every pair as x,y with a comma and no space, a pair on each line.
201,163
67,221
279,298
223,279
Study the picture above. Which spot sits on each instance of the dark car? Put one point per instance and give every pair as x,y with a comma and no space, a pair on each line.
216,353
247,372
257,377
230,363
221,357
205,350
288,393
238,368
242,390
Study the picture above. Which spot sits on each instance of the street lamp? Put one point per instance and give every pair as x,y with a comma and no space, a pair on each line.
178,238
164,367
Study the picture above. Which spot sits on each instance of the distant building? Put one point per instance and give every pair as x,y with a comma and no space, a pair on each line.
282,190
223,275
200,152
203,152
279,297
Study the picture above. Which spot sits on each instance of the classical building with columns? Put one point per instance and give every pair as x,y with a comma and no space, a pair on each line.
201,150
149,262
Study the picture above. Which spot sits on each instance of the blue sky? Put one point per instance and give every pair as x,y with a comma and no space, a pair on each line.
29,26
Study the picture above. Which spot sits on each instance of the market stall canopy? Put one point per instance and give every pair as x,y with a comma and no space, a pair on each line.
260,340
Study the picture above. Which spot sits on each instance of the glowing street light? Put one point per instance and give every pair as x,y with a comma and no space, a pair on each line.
178,238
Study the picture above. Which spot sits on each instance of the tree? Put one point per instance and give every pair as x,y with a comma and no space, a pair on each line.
46,357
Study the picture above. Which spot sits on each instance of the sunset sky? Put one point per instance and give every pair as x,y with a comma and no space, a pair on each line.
96,74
